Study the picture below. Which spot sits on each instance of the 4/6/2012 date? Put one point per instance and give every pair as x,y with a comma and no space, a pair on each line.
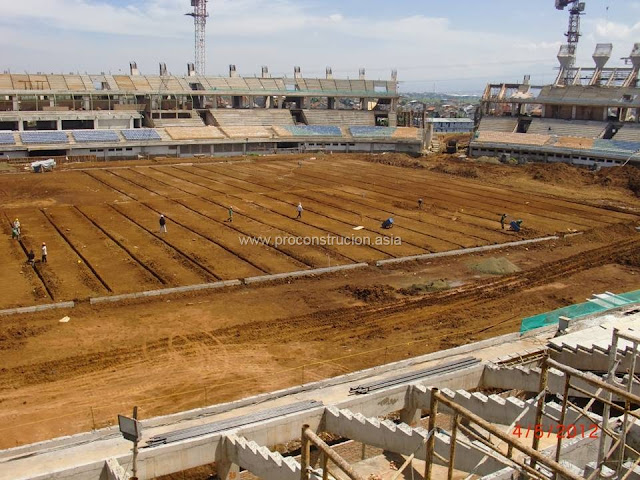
559,430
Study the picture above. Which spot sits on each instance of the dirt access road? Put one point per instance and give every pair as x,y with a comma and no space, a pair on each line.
172,353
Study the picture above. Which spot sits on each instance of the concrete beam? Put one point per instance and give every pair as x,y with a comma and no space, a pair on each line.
165,291
464,251
37,308
303,273
260,461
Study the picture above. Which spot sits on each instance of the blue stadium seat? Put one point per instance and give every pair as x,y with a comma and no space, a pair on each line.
44,137
83,136
314,130
141,134
616,146
6,138
383,132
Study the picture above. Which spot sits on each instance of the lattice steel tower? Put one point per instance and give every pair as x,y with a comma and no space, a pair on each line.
200,15
576,9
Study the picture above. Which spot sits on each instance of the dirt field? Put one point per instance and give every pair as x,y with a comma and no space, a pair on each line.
172,353
102,233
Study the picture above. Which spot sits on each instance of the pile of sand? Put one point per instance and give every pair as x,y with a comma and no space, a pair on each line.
495,266
372,293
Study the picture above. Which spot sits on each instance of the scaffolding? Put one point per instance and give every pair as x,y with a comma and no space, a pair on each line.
610,394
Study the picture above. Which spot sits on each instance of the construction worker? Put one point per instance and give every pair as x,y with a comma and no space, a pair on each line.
503,219
31,258
299,208
14,233
16,225
230,219
420,201
163,224
44,253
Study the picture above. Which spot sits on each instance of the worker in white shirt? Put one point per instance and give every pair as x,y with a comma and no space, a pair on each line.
44,252
299,208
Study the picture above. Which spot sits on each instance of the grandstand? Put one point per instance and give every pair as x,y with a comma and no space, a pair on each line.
593,120
124,116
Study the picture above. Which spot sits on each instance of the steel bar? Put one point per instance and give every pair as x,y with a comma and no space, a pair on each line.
223,425
328,451
428,372
551,464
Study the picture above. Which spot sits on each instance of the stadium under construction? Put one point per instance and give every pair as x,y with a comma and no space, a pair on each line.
190,319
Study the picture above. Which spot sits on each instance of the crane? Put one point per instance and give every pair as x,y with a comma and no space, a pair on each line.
576,9
199,15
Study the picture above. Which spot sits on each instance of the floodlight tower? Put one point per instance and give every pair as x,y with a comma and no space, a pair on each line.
200,15
576,9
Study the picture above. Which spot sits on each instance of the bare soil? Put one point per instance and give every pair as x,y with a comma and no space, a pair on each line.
171,353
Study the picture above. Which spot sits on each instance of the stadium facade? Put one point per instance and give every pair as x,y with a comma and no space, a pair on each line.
124,116
588,116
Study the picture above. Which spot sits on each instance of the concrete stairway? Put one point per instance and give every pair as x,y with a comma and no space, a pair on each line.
528,379
261,461
402,439
503,411
592,359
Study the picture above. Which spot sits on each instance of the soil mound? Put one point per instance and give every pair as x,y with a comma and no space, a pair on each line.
419,289
495,266
372,293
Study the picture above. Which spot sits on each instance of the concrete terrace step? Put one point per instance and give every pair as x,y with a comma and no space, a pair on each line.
528,379
503,411
591,359
259,460
402,439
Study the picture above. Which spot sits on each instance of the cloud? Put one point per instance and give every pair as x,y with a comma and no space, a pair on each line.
95,35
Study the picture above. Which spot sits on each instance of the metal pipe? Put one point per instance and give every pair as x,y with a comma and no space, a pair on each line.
431,443
534,454
327,450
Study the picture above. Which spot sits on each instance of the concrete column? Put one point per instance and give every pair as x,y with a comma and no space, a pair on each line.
16,103
131,122
573,112
410,414
59,124
227,470
95,124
